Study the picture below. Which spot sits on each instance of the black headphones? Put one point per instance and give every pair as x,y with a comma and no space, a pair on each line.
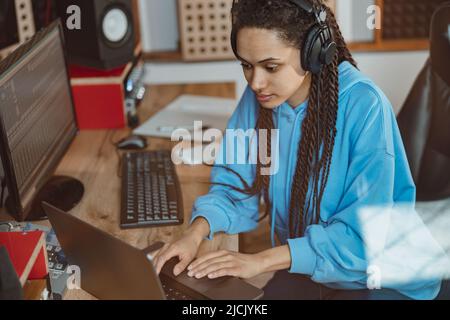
319,46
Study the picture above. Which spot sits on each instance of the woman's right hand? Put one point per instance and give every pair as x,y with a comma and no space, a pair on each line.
185,248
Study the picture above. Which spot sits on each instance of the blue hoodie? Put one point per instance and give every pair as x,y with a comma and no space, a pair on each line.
369,169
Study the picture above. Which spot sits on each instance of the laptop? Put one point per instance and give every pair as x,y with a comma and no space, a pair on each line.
114,270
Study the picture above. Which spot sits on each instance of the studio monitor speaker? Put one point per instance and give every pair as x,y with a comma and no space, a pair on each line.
103,36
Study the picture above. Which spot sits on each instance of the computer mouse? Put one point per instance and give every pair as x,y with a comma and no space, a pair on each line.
132,143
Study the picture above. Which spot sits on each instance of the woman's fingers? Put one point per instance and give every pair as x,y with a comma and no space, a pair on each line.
165,254
155,255
199,269
180,266
215,268
206,257
233,272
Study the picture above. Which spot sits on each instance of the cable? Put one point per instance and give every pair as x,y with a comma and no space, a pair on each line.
9,224
119,155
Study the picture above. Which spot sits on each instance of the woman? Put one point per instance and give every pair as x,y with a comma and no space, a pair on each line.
340,153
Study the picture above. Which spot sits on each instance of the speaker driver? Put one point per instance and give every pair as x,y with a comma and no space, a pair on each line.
106,40
115,25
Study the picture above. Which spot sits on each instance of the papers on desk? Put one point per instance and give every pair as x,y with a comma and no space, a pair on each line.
186,112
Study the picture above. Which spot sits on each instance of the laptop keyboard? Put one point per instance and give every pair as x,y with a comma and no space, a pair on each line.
174,294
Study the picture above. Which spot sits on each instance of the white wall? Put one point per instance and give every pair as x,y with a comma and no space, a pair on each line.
394,72
159,25
352,18
196,72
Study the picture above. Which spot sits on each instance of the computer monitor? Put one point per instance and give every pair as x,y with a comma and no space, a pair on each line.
37,125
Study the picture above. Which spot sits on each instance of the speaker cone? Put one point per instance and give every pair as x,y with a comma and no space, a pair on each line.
115,26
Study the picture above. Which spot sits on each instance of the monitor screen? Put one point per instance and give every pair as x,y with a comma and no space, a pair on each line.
37,118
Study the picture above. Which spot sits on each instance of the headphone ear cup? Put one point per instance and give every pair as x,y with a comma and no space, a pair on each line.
312,50
329,52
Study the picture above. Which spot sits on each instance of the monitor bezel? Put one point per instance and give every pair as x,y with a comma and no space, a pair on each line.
16,207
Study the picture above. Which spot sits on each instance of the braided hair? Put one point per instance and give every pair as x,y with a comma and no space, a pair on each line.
291,24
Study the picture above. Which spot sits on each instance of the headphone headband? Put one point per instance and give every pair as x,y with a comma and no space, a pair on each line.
319,47
305,5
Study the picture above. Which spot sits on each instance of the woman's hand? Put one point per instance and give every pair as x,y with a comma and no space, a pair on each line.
226,263
184,248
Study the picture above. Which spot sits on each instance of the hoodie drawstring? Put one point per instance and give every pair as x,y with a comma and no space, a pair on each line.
272,182
294,134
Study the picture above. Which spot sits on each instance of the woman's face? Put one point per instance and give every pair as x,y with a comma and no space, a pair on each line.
272,68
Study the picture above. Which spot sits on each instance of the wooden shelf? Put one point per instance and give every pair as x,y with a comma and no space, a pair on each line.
377,45
163,56
171,56
397,45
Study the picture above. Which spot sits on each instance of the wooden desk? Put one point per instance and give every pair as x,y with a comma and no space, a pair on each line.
92,158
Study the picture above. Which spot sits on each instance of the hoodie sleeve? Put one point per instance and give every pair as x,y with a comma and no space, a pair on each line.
226,209
344,249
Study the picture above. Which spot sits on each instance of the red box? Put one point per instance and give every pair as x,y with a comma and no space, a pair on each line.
99,97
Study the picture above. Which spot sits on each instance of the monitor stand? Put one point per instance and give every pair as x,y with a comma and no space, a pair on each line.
60,191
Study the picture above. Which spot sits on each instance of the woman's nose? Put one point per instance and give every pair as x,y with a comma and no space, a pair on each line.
258,82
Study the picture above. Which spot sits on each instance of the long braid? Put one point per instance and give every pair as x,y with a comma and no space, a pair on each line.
265,122
304,167
330,86
261,183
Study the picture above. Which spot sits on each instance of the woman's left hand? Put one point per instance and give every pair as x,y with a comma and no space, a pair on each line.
226,263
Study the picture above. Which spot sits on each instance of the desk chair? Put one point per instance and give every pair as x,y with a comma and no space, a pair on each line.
424,123
424,120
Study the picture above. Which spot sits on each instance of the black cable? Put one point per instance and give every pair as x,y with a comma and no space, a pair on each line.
9,224
119,155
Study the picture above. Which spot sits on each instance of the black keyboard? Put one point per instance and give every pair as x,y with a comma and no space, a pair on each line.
151,195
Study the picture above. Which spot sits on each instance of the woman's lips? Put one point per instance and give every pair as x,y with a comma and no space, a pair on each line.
264,98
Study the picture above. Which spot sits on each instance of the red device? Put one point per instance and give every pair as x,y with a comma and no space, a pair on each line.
27,252
99,97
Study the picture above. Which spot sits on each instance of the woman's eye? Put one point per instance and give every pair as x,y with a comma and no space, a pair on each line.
246,66
272,68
